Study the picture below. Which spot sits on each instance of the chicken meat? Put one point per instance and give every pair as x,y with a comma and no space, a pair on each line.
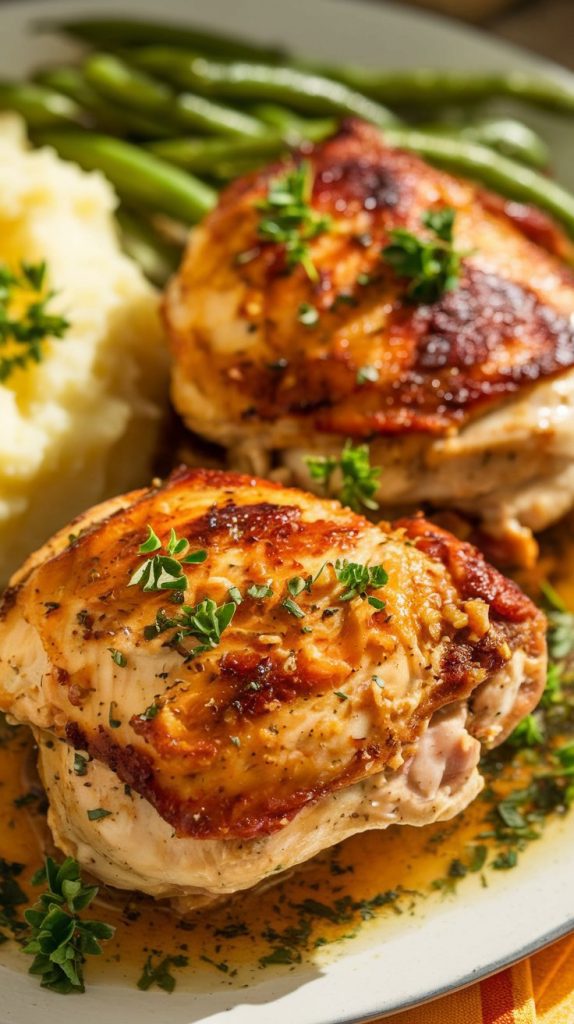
467,401
321,676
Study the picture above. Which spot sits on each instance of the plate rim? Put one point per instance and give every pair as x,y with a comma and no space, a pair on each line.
453,29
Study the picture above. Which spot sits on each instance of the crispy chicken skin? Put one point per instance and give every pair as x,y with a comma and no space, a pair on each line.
470,389
296,729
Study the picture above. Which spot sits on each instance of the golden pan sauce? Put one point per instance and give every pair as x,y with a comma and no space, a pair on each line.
228,940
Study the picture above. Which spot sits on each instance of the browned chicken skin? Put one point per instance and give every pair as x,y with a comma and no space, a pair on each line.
373,699
466,390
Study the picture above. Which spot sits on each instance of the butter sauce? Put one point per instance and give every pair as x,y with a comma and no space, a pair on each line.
368,881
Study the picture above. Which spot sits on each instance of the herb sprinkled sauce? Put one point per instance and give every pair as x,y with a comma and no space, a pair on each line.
375,880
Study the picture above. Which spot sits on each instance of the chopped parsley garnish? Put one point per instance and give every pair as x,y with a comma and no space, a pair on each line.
359,480
80,764
367,375
60,939
342,696
205,622
165,572
118,658
527,733
235,595
358,579
98,813
308,315
431,264
25,320
113,721
287,217
260,592
150,712
160,973
293,608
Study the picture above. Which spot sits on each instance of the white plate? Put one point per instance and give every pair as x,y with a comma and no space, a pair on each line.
453,943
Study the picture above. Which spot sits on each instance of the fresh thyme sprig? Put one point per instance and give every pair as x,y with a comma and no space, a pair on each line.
432,265
60,939
359,480
25,325
165,572
204,622
288,218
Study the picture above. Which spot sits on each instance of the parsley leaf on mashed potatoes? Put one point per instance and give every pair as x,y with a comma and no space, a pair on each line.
83,423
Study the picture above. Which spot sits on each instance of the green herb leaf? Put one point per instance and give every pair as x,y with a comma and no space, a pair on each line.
432,265
113,722
204,622
60,940
367,375
358,579
149,713
293,608
308,315
505,860
160,973
359,480
97,813
260,592
152,543
80,764
117,657
527,733
25,326
287,217
165,572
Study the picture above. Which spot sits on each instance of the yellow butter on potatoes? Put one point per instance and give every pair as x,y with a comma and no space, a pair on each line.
83,423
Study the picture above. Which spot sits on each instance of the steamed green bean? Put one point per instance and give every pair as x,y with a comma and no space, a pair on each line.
69,81
125,85
139,177
242,81
507,136
39,106
428,88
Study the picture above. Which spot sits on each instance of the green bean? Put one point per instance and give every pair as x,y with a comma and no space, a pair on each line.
71,82
505,135
114,32
40,107
292,127
157,258
241,81
139,177
134,89
430,88
200,155
498,172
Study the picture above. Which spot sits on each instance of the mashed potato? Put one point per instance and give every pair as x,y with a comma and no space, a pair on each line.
82,424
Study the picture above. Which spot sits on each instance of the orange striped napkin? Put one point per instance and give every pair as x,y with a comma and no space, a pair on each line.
539,990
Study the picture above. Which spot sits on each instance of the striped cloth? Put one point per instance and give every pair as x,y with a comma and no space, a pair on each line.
539,990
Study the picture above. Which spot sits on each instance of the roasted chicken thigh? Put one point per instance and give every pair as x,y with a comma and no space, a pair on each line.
466,398
212,712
